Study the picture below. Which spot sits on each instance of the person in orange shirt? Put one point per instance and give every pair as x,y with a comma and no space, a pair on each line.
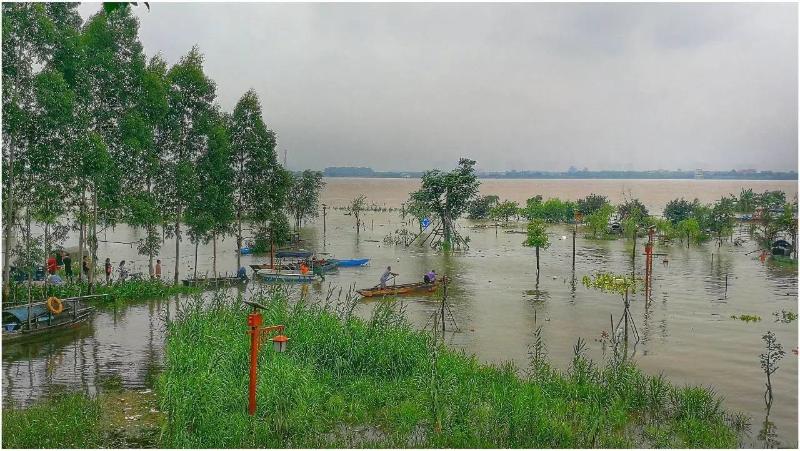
303,268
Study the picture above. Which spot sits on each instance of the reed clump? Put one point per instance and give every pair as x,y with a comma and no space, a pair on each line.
347,381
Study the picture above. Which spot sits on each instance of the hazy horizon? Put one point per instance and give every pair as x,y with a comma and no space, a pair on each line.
513,86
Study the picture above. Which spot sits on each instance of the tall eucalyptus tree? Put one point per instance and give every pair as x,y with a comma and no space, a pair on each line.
260,182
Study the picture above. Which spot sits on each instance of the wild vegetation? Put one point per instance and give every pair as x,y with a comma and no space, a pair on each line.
352,382
133,290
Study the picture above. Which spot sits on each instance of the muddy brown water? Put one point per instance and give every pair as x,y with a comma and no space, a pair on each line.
686,328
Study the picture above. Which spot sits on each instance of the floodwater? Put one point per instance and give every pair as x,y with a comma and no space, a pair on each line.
685,327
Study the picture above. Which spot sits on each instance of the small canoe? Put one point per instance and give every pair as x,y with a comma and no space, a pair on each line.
392,290
275,275
347,263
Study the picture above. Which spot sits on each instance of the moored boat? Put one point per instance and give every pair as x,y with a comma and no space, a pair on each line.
392,290
276,275
43,321
214,281
352,262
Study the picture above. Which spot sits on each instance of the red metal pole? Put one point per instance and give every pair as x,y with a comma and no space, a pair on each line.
254,321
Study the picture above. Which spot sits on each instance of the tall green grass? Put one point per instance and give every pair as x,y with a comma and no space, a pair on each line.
65,421
381,381
134,290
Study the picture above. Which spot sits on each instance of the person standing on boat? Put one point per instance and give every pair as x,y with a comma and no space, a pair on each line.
158,270
67,266
430,277
386,275
123,271
108,271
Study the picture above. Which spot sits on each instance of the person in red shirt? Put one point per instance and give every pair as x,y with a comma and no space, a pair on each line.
51,264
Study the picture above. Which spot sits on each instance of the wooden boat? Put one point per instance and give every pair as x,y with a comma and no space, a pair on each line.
293,254
392,290
323,265
43,322
277,275
213,281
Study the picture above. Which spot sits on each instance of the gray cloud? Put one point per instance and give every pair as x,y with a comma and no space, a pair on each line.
522,86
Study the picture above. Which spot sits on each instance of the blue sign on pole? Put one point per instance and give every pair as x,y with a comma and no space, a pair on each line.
425,223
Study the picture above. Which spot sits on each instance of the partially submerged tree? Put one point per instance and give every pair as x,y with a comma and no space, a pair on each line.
598,221
690,229
356,207
677,210
448,195
537,237
504,210
769,362
303,197
591,204
623,285
481,207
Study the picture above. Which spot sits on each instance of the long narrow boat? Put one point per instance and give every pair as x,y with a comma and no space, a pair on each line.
325,265
275,275
353,262
293,254
43,322
392,290
214,281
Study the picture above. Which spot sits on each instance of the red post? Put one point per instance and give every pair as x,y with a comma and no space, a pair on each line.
253,321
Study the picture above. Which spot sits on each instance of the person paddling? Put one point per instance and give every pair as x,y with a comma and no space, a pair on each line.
385,277
430,277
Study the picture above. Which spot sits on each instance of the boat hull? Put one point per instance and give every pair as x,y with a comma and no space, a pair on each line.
353,262
398,289
278,276
22,335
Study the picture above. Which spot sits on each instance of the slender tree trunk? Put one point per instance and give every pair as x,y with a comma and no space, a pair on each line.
196,246
30,270
46,258
214,261
9,225
93,241
177,244
537,262
238,240
81,233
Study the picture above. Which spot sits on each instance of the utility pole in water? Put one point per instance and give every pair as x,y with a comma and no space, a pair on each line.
324,228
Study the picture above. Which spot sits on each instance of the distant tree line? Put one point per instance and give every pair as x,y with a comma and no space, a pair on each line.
95,133
688,221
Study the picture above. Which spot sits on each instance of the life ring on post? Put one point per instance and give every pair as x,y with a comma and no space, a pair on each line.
55,305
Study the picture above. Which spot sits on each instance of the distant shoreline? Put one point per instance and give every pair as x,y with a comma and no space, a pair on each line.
561,177
574,174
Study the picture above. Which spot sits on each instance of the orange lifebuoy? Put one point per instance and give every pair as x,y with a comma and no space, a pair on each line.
55,305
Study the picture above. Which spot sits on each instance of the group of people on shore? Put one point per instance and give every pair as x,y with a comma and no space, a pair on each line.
63,260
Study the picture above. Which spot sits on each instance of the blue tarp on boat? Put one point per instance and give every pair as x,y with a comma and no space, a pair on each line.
353,262
20,314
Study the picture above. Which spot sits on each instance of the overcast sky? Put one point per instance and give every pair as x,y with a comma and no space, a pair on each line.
532,86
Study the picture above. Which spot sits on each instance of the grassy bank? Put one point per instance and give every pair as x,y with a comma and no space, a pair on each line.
116,418
134,290
350,382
